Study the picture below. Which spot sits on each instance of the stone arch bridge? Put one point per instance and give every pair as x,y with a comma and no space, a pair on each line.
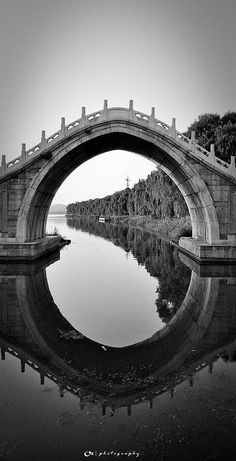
29,182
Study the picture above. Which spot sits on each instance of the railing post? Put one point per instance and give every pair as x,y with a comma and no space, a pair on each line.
212,153
63,127
193,141
173,128
3,165
210,367
83,117
43,140
150,404
105,111
3,354
81,403
22,362
23,153
212,150
131,109
233,166
172,390
152,118
190,380
105,105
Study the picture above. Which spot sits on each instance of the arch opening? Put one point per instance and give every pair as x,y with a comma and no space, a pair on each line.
105,176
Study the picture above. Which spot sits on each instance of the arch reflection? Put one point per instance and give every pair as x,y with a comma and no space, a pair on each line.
33,329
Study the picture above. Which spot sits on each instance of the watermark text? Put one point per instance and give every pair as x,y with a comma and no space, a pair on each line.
97,453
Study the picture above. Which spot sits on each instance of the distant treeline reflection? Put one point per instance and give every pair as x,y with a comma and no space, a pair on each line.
159,258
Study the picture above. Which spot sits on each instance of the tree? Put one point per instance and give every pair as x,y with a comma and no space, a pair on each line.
205,128
213,129
226,140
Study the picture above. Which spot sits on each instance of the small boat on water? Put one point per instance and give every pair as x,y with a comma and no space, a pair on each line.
103,219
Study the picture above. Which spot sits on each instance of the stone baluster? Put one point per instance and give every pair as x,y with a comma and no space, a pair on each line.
83,116
212,153
63,127
212,156
131,109
193,141
105,110
171,390
81,403
105,105
231,356
173,128
42,379
23,153
43,140
3,354
210,368
233,165
190,380
3,165
22,363
61,388
152,118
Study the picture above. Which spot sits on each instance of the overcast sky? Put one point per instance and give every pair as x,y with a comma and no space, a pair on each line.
57,55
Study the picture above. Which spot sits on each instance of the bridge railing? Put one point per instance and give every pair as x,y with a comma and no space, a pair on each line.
119,113
186,373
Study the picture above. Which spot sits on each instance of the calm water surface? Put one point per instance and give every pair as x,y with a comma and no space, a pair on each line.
101,284
118,349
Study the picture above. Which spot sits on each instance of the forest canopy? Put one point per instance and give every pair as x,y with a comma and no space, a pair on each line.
157,196
214,129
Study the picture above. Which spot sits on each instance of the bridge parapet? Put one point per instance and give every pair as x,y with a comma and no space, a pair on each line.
113,114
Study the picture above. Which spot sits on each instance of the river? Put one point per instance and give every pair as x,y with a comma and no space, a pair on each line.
119,347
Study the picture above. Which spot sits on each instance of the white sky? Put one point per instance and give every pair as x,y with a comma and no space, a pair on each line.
57,56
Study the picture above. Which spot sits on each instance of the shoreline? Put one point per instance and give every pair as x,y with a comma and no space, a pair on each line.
166,228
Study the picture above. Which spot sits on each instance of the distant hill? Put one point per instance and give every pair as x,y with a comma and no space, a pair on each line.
58,208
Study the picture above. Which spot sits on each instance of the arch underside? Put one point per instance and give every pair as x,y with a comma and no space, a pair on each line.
163,152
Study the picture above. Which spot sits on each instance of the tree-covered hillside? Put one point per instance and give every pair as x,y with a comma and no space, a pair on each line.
157,195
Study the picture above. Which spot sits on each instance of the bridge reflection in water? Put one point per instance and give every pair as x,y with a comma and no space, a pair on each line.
33,330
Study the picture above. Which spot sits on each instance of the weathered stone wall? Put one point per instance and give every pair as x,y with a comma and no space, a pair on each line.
12,192
223,193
